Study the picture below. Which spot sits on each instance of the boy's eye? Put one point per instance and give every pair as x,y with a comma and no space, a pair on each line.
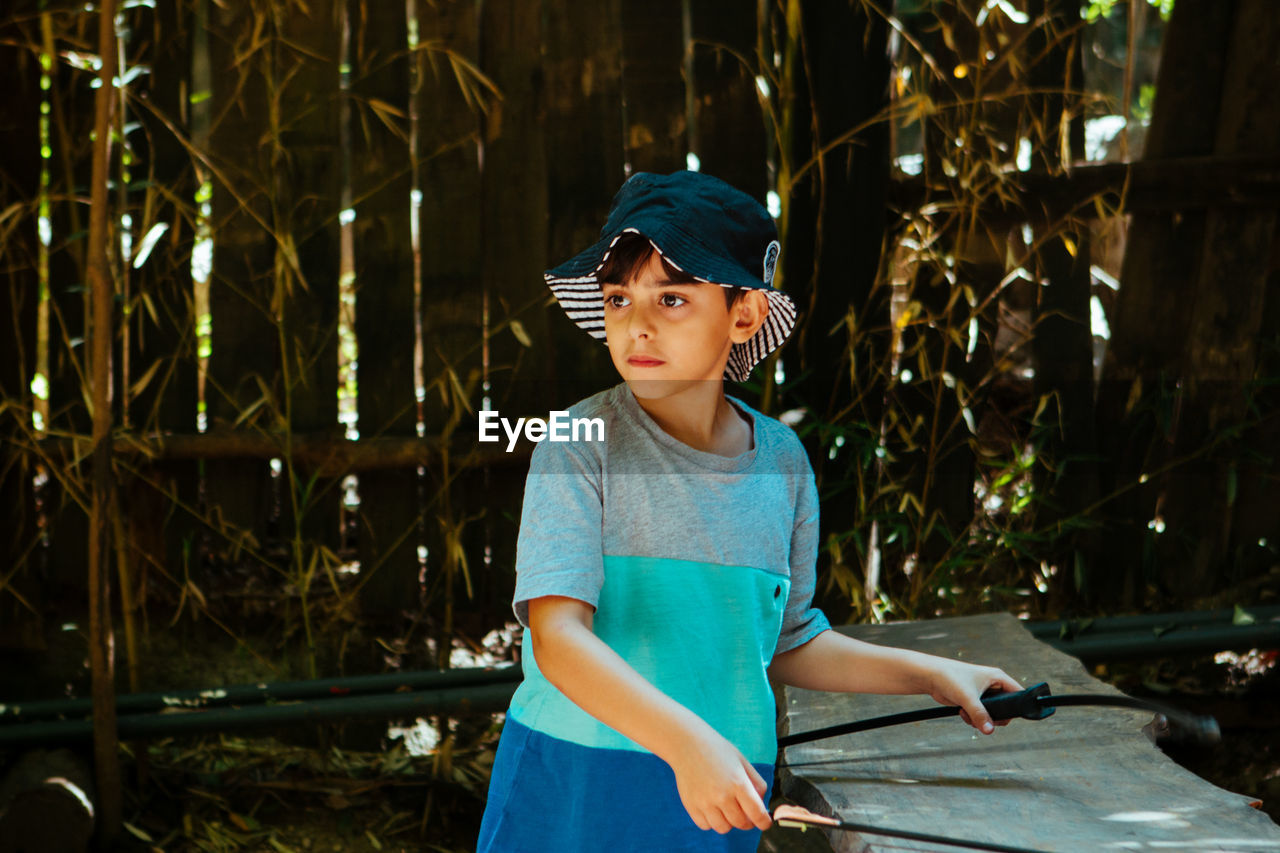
616,300
671,300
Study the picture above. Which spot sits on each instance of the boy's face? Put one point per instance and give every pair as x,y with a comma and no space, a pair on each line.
664,336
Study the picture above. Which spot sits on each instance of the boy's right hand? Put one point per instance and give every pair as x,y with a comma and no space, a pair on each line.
718,786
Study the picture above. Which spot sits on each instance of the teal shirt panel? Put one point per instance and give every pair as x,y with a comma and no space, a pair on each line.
701,633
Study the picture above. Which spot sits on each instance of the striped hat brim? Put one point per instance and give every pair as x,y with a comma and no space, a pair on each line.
583,301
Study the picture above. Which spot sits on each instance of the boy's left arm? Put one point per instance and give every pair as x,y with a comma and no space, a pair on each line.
836,663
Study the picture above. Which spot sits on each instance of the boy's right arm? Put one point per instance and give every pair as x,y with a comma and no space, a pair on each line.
718,786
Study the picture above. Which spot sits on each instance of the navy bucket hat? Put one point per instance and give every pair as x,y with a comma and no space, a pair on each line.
701,225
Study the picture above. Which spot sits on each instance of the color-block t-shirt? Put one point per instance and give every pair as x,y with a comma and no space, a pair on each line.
700,568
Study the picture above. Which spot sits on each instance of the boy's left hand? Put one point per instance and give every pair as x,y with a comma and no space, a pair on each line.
953,682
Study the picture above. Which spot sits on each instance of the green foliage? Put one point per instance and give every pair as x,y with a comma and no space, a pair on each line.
952,399
1095,9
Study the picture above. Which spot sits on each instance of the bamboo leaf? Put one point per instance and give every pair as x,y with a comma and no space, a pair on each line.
517,329
141,383
148,243
382,106
1242,616
248,412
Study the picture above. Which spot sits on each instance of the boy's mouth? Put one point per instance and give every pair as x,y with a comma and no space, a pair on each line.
644,361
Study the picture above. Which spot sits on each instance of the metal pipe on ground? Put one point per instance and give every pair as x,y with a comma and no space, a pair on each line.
248,694
1149,621
1120,645
453,700
1161,634
459,691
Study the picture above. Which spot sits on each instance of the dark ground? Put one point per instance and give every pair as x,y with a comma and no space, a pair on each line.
310,790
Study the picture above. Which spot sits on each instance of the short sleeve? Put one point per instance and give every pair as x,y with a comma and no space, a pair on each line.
559,550
801,621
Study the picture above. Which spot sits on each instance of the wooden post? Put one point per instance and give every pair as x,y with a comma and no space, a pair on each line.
243,366
1255,525
731,132
516,227
449,219
585,151
1062,343
1151,319
156,528
515,219
833,225
450,112
21,603
307,200
70,126
653,85
385,328
1225,307
101,659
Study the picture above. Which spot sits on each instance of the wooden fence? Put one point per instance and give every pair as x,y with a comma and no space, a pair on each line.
460,148
436,156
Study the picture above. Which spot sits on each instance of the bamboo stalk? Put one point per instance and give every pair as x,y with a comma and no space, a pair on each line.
101,658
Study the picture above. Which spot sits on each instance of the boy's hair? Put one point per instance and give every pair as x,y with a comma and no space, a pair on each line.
629,255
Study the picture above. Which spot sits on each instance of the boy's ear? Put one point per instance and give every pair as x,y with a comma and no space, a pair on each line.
748,315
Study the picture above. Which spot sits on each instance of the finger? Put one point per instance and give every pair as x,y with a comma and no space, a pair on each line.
750,800
757,815
736,815
976,715
718,822
1007,685
757,781
1004,682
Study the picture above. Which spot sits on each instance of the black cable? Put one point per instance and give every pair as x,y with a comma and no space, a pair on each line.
820,823
866,725
1033,703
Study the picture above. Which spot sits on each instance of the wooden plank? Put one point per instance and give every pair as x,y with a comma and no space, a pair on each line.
515,224
1256,525
835,78
163,329
385,328
1084,778
730,137
308,200
19,297
451,109
450,216
515,228
1198,555
70,128
653,85
585,168
1151,318
244,338
1062,347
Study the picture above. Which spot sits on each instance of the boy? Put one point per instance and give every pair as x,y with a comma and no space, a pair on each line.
664,575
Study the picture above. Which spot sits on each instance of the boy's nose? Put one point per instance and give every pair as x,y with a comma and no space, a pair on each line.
640,325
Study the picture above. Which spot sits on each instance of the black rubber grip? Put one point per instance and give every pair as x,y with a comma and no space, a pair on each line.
1022,703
